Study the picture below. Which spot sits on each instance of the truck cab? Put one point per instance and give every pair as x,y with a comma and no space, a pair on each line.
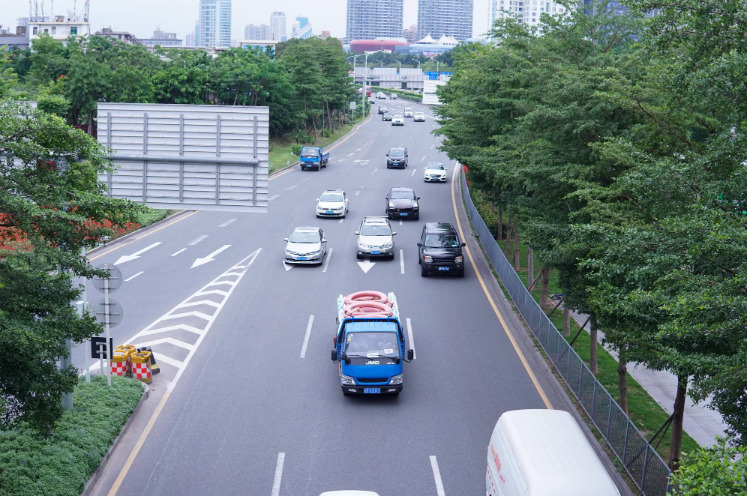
370,348
313,157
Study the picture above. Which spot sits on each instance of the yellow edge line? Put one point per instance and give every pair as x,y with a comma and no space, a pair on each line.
495,307
120,245
138,445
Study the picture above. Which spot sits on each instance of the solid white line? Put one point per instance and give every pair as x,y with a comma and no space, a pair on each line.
273,197
306,338
437,476
401,262
133,277
178,252
329,255
227,223
197,240
278,474
409,335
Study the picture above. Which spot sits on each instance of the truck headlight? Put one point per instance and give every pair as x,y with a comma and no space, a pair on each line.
397,379
459,259
428,259
349,381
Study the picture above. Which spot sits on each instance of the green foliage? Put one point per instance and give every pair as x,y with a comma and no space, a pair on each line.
52,207
718,471
62,462
296,149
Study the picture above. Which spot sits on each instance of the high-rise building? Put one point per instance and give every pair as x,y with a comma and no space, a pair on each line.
525,11
445,18
215,23
301,28
253,32
372,19
277,26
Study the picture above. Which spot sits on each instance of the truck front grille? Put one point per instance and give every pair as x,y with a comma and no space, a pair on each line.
372,380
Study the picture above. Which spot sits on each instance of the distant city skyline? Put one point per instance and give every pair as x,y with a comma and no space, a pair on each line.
142,17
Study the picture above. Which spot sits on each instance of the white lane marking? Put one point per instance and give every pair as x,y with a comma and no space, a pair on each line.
374,171
357,192
136,255
401,262
289,188
409,335
351,154
339,223
400,222
227,223
437,477
413,172
456,169
273,197
432,146
197,240
287,266
306,338
178,252
133,276
422,158
358,149
209,258
278,474
329,255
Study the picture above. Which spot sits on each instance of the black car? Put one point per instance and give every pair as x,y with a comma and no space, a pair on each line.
396,157
402,202
440,250
386,116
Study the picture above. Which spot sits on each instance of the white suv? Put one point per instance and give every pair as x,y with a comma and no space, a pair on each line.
375,238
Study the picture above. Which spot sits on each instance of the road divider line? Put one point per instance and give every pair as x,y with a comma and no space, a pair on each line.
178,252
292,187
329,255
197,240
437,477
409,336
485,290
422,159
273,197
133,276
401,262
227,223
278,474
413,172
306,338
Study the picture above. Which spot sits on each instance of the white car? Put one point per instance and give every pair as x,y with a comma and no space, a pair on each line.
408,112
375,238
398,120
306,245
435,172
418,117
332,203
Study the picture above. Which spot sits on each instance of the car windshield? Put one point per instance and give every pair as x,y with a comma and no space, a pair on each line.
331,197
375,230
304,237
309,152
435,167
441,241
372,344
398,116
402,195
396,153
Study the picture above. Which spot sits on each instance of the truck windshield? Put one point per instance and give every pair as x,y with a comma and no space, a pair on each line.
309,153
372,344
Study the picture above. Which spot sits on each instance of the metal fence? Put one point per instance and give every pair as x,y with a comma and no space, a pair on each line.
644,465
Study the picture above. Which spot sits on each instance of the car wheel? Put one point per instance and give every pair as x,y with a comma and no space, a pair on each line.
346,393
423,272
358,256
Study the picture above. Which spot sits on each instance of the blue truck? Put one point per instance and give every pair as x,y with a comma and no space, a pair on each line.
370,345
313,157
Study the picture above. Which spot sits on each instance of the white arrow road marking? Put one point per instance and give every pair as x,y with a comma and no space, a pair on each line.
366,266
306,338
136,255
209,258
287,266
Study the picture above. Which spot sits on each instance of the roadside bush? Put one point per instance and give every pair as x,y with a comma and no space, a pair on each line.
296,149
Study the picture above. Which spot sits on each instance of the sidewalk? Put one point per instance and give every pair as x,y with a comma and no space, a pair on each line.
700,422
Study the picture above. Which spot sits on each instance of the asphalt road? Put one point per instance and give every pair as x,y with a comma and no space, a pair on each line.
248,401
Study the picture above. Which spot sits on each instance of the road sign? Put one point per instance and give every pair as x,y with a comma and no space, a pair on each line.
113,308
98,347
114,281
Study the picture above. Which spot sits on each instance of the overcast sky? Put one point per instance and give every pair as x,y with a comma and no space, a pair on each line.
142,17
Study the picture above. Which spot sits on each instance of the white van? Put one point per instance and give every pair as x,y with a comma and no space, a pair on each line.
408,112
543,453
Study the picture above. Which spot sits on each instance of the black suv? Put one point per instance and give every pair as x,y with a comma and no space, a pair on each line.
402,202
440,250
397,157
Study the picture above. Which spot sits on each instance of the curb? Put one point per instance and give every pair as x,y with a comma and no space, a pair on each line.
87,490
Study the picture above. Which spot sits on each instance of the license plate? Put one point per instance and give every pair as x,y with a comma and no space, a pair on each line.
375,253
443,268
303,258
371,390
403,214
330,212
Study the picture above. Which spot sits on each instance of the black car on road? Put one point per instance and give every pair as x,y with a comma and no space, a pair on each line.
440,250
402,202
396,157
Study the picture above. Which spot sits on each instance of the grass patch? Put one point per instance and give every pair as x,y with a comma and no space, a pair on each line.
154,215
61,464
645,412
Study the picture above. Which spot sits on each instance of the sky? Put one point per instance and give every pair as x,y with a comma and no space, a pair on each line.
142,17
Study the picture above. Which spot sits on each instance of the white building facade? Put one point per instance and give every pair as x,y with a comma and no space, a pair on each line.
215,23
439,18
525,11
277,26
59,28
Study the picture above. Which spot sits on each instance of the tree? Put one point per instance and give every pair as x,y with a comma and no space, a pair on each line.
717,471
52,205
